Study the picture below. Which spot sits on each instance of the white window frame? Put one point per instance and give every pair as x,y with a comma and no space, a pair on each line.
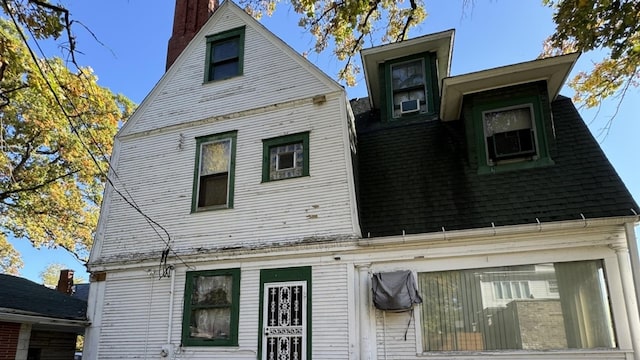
536,145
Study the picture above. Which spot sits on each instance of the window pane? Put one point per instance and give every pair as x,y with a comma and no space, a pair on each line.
224,50
286,161
224,70
507,120
407,75
213,190
210,323
214,157
514,307
212,290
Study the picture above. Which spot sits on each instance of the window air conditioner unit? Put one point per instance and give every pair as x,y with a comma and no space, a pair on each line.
512,144
409,106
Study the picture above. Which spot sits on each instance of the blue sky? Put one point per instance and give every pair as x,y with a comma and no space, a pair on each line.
129,58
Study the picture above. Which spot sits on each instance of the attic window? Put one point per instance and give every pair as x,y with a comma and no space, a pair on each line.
408,87
509,133
509,128
225,55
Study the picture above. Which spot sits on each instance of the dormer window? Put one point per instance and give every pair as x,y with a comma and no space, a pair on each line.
509,128
409,87
509,133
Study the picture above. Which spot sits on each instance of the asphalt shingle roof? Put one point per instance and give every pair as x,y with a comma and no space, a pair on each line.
27,296
416,177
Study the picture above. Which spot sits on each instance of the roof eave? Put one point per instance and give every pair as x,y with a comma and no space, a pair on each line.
441,43
553,70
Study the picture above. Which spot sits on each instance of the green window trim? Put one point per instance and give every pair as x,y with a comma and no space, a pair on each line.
230,136
234,35
232,339
541,157
268,144
302,273
432,95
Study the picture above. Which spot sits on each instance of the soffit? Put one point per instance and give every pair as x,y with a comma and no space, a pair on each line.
554,71
441,43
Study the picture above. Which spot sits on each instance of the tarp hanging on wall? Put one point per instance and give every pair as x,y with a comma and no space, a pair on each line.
395,291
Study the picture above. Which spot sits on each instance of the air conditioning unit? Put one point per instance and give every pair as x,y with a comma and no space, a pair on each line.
512,144
410,106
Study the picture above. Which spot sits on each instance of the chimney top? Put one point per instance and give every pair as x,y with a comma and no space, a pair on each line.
188,19
65,282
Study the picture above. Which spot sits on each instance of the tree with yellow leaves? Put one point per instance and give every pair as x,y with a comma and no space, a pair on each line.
610,25
56,132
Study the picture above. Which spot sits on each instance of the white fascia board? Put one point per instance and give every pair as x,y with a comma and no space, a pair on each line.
441,43
11,315
553,70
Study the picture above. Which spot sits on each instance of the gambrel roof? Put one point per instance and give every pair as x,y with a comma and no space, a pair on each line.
416,177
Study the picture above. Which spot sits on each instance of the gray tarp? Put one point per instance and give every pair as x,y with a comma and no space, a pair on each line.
395,291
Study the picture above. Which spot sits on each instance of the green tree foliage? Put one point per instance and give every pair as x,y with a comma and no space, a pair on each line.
610,25
56,133
346,24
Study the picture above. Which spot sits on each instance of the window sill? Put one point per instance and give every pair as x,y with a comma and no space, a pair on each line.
518,165
533,355
211,208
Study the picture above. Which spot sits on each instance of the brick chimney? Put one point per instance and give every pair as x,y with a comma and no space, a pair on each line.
188,18
65,282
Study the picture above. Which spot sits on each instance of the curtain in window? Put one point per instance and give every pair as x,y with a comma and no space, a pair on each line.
211,304
584,302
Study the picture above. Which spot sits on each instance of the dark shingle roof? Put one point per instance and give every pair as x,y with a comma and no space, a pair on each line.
26,296
417,177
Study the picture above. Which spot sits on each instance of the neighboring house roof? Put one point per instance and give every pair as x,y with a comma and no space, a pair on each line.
81,291
24,297
430,184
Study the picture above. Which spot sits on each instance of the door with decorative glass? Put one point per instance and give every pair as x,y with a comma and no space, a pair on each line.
284,321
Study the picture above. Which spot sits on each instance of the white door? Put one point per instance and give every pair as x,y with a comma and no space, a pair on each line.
284,321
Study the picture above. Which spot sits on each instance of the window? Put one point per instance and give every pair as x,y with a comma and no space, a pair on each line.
512,289
225,55
411,86
285,157
512,308
509,133
211,307
215,164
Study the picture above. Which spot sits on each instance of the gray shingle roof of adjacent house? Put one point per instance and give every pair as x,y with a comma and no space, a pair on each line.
416,177
23,296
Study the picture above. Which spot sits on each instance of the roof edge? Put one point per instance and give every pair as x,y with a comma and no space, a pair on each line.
554,70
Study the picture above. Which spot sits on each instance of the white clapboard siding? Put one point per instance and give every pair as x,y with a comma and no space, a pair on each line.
272,73
158,172
390,340
136,314
134,317
330,312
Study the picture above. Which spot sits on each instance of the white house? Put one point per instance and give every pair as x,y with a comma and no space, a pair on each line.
253,204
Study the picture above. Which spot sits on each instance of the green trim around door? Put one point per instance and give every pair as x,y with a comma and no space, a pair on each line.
286,275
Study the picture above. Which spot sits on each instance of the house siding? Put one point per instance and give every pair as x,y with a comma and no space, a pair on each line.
273,73
136,312
318,206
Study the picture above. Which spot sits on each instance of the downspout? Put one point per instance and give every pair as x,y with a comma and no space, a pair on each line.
173,285
167,348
